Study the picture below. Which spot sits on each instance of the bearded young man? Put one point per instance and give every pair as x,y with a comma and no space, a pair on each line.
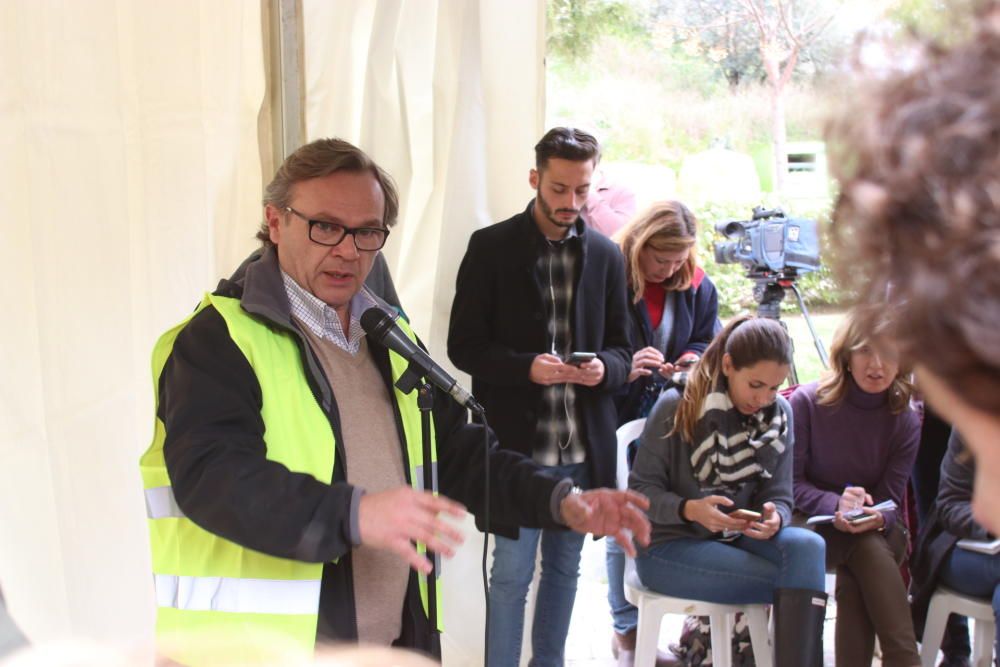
531,291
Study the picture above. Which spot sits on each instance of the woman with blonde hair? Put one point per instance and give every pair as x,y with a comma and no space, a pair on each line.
856,438
674,307
726,445
673,314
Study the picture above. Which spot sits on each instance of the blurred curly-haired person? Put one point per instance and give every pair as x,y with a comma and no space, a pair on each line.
918,224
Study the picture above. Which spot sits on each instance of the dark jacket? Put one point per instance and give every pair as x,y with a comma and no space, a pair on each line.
950,520
696,321
498,326
210,402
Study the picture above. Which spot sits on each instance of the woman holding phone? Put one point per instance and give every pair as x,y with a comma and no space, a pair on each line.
673,305
673,315
856,438
726,444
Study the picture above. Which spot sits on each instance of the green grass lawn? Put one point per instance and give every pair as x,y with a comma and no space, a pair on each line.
807,361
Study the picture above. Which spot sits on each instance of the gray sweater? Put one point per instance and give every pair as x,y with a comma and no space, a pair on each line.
662,471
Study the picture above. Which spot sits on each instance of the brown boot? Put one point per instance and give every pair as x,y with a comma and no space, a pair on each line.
623,649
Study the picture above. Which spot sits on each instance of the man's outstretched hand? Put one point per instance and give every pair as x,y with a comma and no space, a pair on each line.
608,512
394,519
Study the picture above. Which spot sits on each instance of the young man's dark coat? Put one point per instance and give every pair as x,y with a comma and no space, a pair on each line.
499,324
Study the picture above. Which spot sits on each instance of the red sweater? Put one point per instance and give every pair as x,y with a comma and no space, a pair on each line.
653,296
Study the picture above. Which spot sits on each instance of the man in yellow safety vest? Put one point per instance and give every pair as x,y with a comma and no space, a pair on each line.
284,484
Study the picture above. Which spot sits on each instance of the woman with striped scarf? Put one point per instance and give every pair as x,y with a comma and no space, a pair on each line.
726,444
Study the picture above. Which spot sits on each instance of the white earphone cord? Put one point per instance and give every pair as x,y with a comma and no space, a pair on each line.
572,422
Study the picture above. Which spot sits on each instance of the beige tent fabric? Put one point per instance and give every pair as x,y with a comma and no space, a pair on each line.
448,97
130,182
130,177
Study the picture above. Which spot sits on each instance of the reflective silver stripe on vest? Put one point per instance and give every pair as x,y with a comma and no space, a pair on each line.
418,477
160,504
245,596
418,483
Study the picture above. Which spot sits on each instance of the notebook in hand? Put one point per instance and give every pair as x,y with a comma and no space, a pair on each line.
981,546
883,506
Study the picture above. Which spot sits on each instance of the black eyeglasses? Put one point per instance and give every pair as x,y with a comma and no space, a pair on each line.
328,233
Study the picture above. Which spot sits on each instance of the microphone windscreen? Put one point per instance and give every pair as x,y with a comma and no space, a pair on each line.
376,322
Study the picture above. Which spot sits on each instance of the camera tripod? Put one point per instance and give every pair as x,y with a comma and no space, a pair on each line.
769,291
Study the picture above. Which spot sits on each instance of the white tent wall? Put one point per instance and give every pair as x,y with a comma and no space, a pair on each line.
130,176
448,97
129,179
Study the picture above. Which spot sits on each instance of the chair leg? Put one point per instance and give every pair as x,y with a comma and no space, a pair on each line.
647,638
982,645
937,616
722,639
763,654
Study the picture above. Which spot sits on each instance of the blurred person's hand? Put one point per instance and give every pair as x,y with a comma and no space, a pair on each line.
589,373
620,514
549,369
644,362
862,525
853,498
706,512
767,527
394,519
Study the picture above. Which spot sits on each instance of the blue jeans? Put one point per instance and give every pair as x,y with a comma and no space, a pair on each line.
743,571
624,615
976,575
510,577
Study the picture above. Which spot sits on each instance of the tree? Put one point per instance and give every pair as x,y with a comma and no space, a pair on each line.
784,27
759,40
575,26
719,32
945,20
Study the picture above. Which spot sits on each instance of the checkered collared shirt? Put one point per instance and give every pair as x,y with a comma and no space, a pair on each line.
558,440
322,320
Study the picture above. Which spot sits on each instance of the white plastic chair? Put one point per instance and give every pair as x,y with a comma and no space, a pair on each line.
946,601
653,606
625,434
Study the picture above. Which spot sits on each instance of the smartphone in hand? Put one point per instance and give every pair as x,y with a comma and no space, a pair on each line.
580,358
747,515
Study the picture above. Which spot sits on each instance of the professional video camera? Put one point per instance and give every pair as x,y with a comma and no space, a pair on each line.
775,250
770,244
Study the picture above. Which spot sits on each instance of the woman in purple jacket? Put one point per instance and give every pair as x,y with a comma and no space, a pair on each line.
856,437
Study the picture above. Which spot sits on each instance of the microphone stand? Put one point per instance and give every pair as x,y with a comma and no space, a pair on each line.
412,379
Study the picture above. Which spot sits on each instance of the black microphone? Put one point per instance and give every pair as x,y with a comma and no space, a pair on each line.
381,326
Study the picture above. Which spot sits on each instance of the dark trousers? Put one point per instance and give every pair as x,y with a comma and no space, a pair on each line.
871,597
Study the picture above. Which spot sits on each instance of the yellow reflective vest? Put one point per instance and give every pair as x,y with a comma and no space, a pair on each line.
222,603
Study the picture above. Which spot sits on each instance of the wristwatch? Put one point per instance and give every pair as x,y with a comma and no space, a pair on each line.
559,496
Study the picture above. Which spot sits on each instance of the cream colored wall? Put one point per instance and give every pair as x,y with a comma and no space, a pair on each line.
448,97
130,182
129,179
